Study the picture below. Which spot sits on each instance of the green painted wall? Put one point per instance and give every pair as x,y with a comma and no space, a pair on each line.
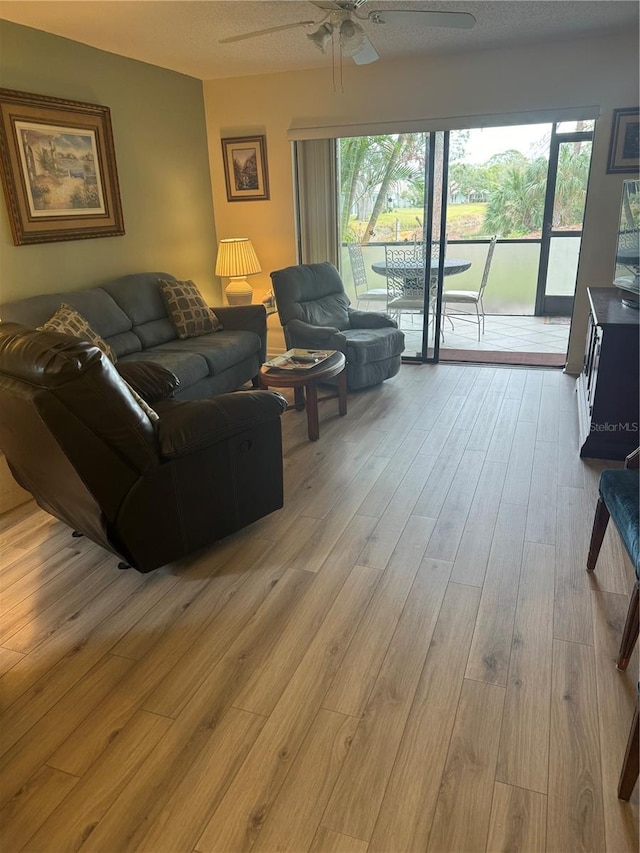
161,150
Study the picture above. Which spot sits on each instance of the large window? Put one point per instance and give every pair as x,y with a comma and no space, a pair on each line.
382,188
497,183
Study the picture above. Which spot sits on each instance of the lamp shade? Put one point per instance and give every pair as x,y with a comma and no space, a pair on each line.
236,260
237,257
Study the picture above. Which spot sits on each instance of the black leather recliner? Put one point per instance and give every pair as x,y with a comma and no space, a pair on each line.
76,438
315,313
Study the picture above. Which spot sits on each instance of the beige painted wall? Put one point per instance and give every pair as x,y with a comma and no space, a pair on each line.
160,140
601,72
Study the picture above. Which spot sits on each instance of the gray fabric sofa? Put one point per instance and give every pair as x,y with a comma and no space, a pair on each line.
130,314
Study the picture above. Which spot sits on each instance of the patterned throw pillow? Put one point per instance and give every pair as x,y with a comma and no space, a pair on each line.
68,321
189,313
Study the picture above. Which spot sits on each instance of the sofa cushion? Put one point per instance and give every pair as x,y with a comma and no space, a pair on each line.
100,310
188,366
68,321
188,311
138,296
221,350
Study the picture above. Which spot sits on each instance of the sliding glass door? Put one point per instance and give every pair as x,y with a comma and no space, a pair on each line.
569,162
392,206
433,243
417,213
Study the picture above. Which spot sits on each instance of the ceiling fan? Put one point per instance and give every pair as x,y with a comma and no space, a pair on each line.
340,28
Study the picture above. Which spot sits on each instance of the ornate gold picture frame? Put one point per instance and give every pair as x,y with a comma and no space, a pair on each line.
58,169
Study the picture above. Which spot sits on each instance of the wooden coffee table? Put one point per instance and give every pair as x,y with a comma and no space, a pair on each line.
305,387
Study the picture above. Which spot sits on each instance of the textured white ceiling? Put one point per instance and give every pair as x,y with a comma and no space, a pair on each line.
184,35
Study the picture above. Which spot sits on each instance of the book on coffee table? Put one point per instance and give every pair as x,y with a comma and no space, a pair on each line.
299,359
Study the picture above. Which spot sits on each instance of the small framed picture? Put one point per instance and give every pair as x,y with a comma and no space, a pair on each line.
58,166
245,168
624,148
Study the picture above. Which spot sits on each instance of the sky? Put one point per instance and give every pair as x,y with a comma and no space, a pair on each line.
485,142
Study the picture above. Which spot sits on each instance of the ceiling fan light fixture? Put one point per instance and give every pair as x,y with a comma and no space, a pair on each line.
321,37
352,37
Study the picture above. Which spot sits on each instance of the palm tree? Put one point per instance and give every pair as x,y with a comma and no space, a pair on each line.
571,186
391,172
369,166
352,154
510,210
516,203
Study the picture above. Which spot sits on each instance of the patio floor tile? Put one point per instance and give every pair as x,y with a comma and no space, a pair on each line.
502,333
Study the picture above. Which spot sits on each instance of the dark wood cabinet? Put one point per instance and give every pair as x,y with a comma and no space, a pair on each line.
608,387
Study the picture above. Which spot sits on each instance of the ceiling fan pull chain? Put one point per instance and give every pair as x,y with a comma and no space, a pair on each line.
333,59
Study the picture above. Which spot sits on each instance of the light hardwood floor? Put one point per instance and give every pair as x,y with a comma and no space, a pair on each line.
409,657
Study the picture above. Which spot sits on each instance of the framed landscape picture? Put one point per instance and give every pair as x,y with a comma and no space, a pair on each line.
245,168
624,148
58,167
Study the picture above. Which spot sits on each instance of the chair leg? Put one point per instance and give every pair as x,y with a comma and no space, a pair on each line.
630,631
629,774
444,314
482,310
478,319
600,522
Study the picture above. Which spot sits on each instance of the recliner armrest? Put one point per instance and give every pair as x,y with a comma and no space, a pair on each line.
187,427
150,380
305,335
370,320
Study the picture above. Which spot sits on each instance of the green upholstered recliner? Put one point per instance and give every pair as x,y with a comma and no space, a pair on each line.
315,313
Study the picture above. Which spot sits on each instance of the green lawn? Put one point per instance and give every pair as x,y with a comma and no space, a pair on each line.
463,220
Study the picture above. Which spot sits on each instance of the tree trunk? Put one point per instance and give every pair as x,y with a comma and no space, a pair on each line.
384,187
350,181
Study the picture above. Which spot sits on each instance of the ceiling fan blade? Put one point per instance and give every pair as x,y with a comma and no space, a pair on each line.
457,20
325,5
333,6
268,30
366,54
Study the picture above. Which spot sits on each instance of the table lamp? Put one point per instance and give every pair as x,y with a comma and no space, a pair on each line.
236,260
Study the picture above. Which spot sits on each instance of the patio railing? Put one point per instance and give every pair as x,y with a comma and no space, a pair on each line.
511,288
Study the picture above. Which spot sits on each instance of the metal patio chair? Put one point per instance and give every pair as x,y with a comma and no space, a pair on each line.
470,297
360,282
